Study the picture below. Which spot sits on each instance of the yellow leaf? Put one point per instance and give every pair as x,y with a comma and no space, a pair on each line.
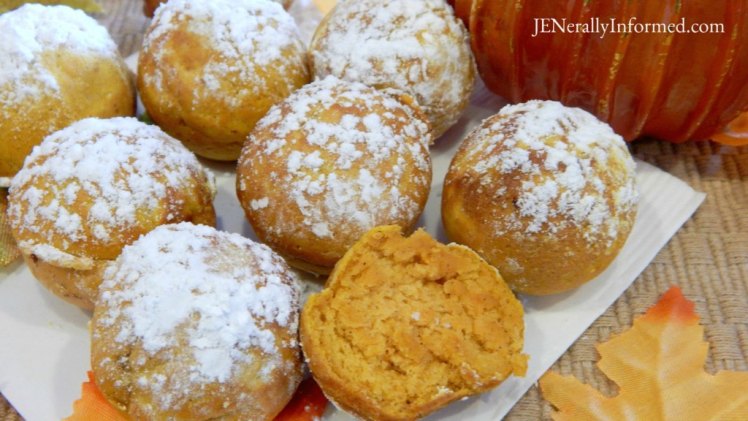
90,6
325,6
8,250
658,366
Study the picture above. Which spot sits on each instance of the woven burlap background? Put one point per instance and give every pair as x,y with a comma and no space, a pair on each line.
708,257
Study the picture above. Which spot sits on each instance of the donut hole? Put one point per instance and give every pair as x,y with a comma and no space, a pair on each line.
406,325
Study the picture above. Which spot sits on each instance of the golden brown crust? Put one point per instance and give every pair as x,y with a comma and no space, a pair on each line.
328,164
307,267
92,188
76,286
89,86
208,92
544,193
406,325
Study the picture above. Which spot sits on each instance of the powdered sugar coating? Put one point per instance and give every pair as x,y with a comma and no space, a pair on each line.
201,309
33,30
151,8
546,193
245,37
98,182
561,165
342,158
416,46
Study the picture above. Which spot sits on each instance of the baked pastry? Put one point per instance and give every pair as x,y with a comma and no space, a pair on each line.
58,66
90,189
197,324
415,46
150,5
209,70
406,325
545,193
329,163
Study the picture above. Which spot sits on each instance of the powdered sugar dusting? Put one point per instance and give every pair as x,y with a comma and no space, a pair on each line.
208,296
120,165
568,161
33,30
341,173
48,253
416,46
247,36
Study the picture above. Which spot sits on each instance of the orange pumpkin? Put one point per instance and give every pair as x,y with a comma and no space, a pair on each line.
673,86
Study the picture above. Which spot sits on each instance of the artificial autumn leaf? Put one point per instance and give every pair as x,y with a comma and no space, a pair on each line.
93,406
735,134
8,250
324,6
658,366
88,5
307,404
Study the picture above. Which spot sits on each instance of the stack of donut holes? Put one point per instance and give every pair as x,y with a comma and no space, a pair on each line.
332,144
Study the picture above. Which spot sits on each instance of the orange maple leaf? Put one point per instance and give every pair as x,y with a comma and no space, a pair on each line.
658,365
93,406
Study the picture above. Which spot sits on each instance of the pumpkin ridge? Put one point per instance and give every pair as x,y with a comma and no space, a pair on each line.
517,46
731,106
577,42
719,72
495,66
607,90
644,111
